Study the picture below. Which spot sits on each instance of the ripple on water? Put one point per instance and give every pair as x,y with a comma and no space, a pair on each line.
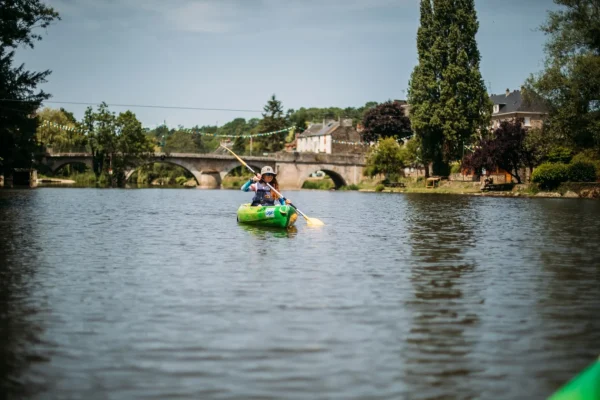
161,294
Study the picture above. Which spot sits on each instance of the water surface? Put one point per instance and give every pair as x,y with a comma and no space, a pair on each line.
155,293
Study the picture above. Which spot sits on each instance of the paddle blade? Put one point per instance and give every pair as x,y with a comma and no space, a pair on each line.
313,221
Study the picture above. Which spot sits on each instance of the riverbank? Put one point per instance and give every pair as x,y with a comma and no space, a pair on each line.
589,190
586,190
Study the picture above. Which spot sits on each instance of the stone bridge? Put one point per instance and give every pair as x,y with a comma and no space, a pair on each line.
209,169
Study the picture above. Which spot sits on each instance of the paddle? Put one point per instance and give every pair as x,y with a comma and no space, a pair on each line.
309,221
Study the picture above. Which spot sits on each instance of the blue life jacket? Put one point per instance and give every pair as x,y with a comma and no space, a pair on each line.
263,195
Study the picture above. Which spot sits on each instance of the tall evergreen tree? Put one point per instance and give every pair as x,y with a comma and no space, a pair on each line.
448,99
423,91
18,92
273,120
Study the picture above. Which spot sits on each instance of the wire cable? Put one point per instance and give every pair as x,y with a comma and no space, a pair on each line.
136,105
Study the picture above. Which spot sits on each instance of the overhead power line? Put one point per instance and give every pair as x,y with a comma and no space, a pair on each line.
138,105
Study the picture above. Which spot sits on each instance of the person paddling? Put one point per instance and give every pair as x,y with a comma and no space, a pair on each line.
264,195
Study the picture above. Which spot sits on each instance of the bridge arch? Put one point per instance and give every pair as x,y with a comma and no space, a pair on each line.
61,165
232,168
337,178
256,166
196,174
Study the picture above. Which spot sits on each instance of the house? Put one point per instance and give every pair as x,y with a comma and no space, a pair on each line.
331,137
512,105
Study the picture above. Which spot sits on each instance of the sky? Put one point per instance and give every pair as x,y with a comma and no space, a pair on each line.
235,54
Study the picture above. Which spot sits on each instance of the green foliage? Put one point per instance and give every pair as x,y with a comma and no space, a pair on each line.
321,184
536,147
59,139
559,154
550,175
570,83
117,142
315,114
181,180
412,152
447,95
379,188
350,187
588,156
18,87
385,158
180,142
273,120
582,171
455,168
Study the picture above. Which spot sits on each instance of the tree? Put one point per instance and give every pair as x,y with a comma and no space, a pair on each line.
570,82
57,129
237,127
18,86
447,95
273,120
506,150
386,120
385,158
132,146
180,142
117,142
412,152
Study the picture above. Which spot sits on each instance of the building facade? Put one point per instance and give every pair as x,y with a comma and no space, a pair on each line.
512,105
330,137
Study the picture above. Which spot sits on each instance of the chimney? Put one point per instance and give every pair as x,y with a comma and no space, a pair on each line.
507,92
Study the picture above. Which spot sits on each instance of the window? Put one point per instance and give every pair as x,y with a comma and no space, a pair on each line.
496,108
527,121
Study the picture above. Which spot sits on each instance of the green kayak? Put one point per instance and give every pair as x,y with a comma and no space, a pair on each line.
274,216
585,386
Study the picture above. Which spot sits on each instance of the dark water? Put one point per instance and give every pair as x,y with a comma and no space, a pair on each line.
155,294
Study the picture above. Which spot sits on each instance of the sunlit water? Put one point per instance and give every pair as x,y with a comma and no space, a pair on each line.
158,293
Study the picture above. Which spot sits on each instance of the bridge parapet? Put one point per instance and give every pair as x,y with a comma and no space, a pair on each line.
293,167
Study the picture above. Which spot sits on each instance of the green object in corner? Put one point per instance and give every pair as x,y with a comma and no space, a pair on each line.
584,386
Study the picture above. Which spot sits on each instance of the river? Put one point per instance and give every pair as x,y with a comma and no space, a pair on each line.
159,293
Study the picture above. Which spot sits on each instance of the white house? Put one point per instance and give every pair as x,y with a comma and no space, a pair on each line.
329,137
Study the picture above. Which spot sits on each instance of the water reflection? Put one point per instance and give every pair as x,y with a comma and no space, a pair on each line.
19,333
265,233
569,301
442,270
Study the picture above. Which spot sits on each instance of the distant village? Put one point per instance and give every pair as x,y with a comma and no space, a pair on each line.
341,137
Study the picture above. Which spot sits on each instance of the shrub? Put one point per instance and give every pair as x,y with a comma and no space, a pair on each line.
455,168
350,187
181,180
323,184
582,171
379,188
588,156
560,154
550,175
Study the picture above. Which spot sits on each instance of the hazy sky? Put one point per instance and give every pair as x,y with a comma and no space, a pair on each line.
235,53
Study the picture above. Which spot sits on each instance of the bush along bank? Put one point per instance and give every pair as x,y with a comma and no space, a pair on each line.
549,176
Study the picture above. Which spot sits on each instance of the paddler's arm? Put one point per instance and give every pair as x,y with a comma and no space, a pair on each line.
247,186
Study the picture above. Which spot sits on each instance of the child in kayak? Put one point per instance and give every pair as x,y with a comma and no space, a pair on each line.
264,195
